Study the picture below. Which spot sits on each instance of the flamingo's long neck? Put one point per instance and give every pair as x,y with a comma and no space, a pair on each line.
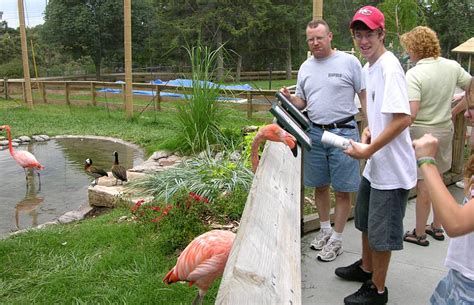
10,146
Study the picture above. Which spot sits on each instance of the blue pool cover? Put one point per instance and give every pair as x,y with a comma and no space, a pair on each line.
187,83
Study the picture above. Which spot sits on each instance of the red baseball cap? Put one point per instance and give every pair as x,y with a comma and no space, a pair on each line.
370,16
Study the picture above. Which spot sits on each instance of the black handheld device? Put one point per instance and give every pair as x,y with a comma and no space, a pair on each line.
302,120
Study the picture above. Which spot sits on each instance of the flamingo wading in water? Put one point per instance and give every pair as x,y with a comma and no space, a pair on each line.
202,261
24,158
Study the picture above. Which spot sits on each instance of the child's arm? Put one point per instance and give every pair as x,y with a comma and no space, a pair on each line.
457,220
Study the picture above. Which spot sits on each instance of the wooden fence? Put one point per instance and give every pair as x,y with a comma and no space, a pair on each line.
87,92
264,266
145,77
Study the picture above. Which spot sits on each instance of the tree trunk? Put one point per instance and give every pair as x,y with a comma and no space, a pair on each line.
97,65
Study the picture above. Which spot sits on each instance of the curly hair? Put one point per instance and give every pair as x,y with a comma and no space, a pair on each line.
422,41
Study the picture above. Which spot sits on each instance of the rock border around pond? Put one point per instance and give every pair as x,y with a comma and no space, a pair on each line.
105,194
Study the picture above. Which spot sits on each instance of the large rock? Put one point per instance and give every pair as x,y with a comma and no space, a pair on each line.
107,194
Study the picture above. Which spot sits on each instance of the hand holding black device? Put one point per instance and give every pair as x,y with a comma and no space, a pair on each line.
302,120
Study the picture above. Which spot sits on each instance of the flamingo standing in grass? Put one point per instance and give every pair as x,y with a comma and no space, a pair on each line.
271,132
202,261
24,158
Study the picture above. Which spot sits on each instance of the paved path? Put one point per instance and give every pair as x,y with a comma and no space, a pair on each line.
413,274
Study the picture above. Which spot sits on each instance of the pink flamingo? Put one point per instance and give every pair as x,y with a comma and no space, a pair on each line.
271,132
202,261
24,158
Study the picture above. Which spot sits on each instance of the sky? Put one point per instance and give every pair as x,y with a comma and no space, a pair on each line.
34,10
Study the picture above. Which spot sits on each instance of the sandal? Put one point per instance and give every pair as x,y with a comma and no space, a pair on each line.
411,237
436,233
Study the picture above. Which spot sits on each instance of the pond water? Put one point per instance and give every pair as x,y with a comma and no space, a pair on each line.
25,204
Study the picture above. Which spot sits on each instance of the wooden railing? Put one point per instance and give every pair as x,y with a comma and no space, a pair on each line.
264,266
86,92
145,77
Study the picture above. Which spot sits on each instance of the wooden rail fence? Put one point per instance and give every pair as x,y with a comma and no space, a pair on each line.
87,92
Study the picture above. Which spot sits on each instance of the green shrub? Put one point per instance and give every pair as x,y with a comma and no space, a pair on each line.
177,223
203,175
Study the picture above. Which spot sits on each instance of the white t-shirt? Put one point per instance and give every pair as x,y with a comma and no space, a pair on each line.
394,165
460,255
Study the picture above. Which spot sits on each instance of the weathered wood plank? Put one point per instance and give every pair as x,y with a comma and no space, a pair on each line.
264,266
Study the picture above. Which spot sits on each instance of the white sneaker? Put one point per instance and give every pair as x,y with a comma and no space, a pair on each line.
321,239
330,251
460,184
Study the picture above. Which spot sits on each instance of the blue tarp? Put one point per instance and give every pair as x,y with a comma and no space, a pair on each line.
187,83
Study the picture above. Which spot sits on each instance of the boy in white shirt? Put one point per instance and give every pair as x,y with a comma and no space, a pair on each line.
390,171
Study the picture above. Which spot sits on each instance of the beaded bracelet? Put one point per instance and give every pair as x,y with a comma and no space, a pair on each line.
425,160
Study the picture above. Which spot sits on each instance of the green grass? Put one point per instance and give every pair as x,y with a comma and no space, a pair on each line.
101,260
97,261
151,130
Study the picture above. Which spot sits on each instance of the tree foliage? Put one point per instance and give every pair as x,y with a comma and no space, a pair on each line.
452,20
90,27
89,33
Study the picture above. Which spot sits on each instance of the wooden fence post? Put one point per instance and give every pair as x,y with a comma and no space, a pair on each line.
23,91
93,94
43,92
66,94
249,105
158,97
5,82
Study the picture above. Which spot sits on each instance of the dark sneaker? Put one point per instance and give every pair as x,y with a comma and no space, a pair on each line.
354,273
367,295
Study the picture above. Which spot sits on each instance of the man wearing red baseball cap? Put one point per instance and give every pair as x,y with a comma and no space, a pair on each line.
390,171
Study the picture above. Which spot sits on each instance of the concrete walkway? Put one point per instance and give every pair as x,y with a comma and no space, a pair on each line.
412,277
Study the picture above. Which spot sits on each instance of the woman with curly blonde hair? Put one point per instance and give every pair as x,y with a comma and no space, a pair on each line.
431,84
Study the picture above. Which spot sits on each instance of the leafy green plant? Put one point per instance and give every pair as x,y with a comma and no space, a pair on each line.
199,117
203,175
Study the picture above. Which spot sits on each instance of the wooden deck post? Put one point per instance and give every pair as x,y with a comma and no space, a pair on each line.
264,266
458,143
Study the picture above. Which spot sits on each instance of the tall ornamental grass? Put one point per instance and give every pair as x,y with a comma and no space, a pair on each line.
199,117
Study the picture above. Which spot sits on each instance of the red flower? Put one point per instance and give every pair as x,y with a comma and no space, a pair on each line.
137,205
